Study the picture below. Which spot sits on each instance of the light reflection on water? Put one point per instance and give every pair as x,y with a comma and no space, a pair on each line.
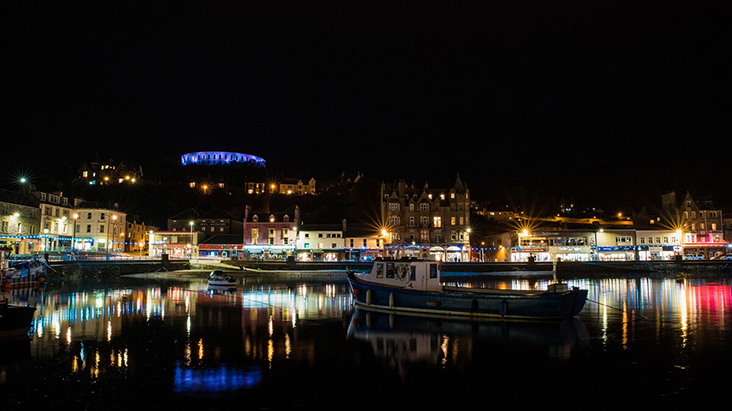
197,341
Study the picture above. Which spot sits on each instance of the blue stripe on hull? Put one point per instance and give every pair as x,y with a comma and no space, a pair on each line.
549,305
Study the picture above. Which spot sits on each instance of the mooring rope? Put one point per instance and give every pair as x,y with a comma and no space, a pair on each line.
616,308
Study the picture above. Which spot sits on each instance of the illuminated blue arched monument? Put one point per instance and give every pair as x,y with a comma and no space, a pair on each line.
210,158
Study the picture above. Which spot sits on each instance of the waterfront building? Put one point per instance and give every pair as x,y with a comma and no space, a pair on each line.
174,244
550,245
615,244
20,219
321,242
699,222
137,235
57,220
362,242
426,222
224,246
727,227
99,228
658,244
270,235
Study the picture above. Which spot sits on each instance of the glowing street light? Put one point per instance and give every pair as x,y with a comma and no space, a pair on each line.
114,217
73,236
191,223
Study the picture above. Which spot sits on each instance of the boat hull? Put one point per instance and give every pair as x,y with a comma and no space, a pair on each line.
15,320
29,274
475,305
222,283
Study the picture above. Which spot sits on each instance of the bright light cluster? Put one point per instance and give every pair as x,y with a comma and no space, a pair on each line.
220,157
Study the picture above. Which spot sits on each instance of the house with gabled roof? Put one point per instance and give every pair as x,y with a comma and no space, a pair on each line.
268,235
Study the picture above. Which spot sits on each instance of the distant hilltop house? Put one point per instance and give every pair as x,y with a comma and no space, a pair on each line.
288,187
210,158
108,172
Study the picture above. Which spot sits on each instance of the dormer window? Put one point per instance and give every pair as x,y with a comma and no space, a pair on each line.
271,219
255,218
286,218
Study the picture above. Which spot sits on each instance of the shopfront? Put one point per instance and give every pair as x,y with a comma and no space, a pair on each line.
617,253
267,252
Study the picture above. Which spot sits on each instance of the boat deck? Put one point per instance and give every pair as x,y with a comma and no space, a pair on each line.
492,291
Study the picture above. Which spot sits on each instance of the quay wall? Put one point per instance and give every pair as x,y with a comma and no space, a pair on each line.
566,269
112,268
579,269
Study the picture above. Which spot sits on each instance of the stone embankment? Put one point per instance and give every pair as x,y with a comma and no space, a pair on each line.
562,270
112,268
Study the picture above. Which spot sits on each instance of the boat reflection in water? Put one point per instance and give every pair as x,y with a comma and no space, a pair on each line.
403,339
215,381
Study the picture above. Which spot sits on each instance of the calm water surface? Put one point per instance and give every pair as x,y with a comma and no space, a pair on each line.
161,342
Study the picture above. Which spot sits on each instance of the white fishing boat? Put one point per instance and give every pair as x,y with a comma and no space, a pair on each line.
414,287
218,278
21,273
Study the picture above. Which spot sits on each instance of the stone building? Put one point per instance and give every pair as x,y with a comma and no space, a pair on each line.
700,223
19,223
426,222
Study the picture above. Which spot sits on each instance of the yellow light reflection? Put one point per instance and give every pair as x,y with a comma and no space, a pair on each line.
270,352
443,348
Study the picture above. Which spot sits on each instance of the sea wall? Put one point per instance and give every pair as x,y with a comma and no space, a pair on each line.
112,268
575,269
569,269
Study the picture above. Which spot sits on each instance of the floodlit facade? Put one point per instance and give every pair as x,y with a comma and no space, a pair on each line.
426,222
268,235
209,158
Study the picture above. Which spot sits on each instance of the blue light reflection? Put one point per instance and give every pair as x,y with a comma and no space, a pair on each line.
217,380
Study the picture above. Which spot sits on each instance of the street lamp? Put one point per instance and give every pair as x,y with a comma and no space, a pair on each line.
114,217
114,231
73,236
191,223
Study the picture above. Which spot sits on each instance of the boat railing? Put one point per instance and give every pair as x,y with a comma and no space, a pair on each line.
493,291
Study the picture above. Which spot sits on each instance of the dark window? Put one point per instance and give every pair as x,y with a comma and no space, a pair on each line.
433,270
412,273
389,270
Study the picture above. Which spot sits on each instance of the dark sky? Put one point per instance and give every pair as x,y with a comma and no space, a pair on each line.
569,96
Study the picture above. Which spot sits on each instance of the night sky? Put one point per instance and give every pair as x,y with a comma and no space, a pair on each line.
573,98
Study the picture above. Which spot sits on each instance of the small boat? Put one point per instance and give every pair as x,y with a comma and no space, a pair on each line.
218,278
24,273
411,286
15,320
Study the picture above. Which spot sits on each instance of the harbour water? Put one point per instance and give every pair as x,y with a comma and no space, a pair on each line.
274,342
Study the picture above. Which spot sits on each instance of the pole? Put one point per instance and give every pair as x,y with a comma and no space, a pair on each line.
106,245
73,236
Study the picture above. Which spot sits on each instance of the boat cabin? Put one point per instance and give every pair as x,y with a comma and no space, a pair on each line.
405,273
